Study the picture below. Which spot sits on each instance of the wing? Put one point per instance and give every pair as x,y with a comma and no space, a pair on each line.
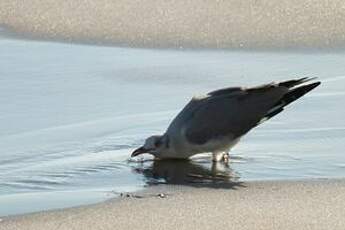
189,110
231,111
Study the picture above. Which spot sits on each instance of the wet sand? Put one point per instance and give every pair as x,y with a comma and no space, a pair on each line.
315,204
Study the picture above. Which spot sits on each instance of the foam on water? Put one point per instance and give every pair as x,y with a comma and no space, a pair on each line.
193,23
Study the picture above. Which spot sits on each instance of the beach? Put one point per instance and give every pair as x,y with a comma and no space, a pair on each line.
256,205
83,83
70,121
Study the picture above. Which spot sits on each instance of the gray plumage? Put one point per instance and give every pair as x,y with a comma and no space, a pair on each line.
215,122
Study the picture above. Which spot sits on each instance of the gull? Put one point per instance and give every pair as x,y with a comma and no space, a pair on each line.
214,123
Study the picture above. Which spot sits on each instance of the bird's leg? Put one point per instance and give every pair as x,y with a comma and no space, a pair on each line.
217,156
220,156
226,157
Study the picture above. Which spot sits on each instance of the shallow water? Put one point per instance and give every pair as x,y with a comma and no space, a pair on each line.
70,116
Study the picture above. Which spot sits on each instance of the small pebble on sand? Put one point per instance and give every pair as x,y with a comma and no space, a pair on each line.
161,195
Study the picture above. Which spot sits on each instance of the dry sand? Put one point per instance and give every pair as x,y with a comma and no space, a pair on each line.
257,205
193,23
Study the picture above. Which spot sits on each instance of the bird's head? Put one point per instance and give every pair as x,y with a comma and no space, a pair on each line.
153,145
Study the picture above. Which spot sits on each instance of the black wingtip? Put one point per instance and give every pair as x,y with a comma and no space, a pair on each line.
311,86
295,82
298,92
291,96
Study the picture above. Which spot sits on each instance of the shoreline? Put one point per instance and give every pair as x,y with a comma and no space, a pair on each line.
285,148
8,33
311,204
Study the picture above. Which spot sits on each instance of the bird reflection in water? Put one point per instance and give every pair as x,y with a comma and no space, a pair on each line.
196,173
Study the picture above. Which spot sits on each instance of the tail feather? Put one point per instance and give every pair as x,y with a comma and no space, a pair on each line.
292,95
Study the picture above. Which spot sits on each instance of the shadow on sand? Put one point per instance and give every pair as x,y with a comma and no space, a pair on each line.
188,172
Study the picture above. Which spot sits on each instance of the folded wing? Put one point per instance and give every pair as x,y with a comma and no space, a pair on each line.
234,111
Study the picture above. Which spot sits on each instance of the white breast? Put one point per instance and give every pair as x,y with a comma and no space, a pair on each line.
184,149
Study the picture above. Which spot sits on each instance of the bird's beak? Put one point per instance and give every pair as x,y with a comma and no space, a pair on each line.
139,151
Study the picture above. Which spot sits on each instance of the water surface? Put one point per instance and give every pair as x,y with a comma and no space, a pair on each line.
70,116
